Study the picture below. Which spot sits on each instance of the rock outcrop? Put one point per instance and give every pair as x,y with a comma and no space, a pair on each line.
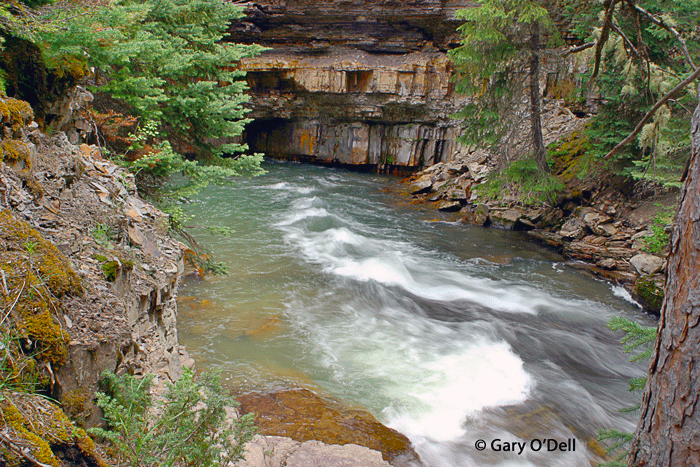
121,312
359,82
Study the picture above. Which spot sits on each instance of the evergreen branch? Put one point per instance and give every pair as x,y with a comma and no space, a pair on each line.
682,85
660,23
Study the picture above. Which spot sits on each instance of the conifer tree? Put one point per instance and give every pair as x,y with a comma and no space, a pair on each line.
500,39
167,61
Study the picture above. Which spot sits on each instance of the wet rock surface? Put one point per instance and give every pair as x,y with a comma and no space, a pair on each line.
276,451
302,415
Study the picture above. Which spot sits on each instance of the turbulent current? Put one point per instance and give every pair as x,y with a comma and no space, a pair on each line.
448,333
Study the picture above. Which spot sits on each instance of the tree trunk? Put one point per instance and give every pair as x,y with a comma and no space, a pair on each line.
669,430
539,153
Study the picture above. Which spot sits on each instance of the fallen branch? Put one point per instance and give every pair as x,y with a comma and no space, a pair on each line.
653,110
581,48
17,450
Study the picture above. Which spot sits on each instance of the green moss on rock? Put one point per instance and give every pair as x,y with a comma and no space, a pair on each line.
35,423
651,295
13,152
50,263
36,275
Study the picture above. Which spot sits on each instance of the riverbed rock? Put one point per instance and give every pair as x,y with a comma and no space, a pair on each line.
573,229
456,194
449,206
422,185
505,218
303,416
276,451
647,264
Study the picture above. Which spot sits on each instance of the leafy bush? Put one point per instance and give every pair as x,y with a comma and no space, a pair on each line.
657,242
167,61
187,427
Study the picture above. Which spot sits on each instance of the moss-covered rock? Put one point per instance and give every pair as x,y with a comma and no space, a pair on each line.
40,428
35,276
14,152
650,294
15,112
27,249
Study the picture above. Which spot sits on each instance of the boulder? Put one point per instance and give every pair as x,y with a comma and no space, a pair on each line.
573,229
449,206
455,194
276,451
593,218
506,219
605,230
423,185
647,264
478,215
304,416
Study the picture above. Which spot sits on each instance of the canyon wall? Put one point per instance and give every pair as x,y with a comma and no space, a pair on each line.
356,82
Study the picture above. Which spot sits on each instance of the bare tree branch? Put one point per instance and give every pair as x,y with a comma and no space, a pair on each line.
580,48
629,43
653,110
604,34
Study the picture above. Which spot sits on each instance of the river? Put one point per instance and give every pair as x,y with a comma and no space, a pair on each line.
446,332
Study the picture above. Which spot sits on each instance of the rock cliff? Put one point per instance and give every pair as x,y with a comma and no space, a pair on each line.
65,203
358,82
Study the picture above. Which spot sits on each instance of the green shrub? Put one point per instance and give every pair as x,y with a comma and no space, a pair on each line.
187,427
524,181
657,242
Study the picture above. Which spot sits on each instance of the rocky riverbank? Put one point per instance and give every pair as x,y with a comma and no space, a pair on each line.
75,232
599,225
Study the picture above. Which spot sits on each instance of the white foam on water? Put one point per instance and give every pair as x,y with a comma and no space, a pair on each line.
450,388
302,214
284,186
622,293
426,377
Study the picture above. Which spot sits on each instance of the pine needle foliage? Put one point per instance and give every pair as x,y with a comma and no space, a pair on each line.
187,427
637,339
167,61
490,63
652,47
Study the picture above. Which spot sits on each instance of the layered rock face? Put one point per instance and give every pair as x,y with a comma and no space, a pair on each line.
121,312
355,82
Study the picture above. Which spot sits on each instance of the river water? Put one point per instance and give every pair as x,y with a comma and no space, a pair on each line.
447,333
